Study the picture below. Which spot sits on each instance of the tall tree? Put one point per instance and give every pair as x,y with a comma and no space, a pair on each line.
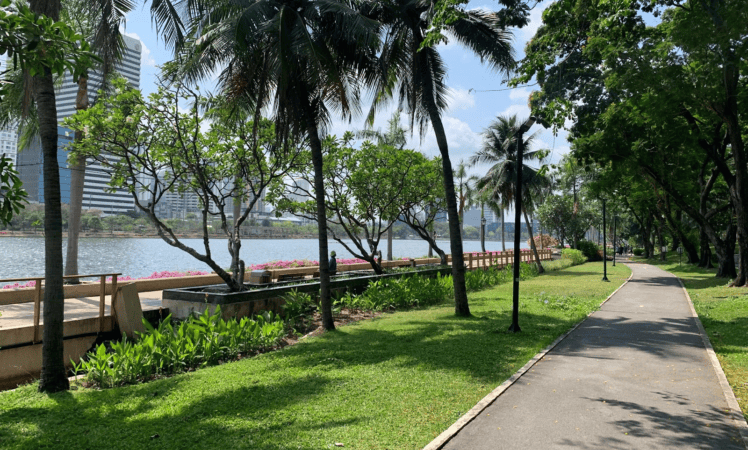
500,150
300,58
679,78
415,73
395,137
99,22
47,49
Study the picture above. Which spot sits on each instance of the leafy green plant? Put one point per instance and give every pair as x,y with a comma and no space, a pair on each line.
638,251
298,305
589,250
199,341
576,256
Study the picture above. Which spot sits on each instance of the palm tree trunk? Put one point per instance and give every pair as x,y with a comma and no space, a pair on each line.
53,377
319,189
455,237
503,243
532,243
482,230
77,182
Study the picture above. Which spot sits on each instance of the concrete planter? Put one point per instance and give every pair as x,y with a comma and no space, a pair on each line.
186,301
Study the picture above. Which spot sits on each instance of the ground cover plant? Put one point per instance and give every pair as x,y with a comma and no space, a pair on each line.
199,341
393,382
723,311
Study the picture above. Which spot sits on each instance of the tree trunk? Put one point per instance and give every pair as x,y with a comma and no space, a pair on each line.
319,189
503,244
455,237
532,244
53,377
482,230
389,242
705,251
235,242
77,181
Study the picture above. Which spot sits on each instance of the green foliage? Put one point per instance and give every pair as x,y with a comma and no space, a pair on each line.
298,305
12,194
404,292
589,250
638,251
417,290
199,341
575,256
35,43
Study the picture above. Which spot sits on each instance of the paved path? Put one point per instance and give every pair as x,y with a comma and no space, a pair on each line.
635,375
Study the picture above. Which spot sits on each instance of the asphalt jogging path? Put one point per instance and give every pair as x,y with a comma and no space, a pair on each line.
635,375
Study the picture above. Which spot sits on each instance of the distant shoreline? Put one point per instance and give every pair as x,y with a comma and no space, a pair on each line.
125,235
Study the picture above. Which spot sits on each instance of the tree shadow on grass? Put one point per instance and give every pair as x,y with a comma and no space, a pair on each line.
245,416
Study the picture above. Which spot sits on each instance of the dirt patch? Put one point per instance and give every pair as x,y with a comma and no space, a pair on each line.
313,325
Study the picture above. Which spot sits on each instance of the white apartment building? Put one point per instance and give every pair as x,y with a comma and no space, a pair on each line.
9,142
97,177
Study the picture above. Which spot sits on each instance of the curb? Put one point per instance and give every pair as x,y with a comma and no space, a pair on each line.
486,401
735,411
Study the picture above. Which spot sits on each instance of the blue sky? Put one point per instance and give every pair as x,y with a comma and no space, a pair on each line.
470,109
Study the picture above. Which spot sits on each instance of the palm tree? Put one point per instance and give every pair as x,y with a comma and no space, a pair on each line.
464,193
480,197
500,150
300,58
53,377
415,73
98,22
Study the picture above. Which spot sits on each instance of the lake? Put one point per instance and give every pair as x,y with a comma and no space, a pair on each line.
140,257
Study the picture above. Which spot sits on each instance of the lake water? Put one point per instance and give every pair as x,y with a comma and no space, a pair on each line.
139,257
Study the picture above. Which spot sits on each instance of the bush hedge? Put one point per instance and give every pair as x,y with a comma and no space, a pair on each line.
589,249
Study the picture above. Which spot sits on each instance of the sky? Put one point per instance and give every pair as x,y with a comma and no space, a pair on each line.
474,103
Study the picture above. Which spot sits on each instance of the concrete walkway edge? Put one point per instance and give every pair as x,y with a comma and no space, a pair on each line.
732,402
450,432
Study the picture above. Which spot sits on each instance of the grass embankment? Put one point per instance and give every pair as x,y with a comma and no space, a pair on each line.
724,313
394,382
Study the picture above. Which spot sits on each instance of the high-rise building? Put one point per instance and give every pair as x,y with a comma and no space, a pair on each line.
97,179
128,67
9,142
31,167
9,134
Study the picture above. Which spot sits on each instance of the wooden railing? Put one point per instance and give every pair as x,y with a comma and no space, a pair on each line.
39,292
473,261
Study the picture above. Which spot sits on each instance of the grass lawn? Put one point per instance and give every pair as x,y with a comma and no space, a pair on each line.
395,382
724,313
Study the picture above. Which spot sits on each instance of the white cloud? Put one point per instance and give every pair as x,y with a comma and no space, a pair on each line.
522,111
461,139
460,99
519,94
145,54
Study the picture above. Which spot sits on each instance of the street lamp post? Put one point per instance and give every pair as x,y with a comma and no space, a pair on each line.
483,234
615,247
605,249
514,327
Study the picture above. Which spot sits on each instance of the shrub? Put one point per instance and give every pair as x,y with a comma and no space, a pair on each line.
171,348
589,250
543,241
575,256
298,305
638,251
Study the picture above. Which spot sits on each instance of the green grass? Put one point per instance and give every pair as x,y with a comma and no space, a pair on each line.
395,382
724,313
